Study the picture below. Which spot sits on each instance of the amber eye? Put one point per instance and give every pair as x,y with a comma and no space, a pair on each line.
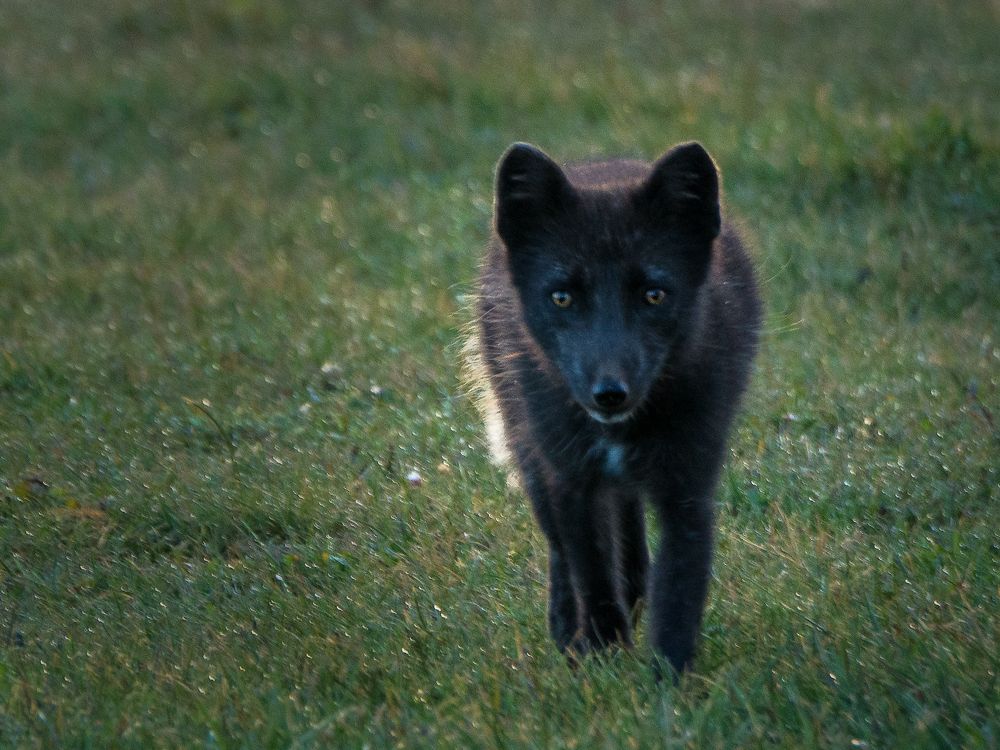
655,296
562,299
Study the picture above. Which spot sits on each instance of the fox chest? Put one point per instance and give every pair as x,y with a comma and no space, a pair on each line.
610,458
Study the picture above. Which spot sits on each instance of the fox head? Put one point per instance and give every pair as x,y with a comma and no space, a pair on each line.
608,263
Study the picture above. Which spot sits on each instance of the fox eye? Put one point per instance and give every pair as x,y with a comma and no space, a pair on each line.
562,298
655,296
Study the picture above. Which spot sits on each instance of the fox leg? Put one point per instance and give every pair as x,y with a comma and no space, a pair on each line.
634,552
586,530
563,613
680,579
563,618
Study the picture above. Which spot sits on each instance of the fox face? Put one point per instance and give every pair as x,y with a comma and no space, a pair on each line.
609,280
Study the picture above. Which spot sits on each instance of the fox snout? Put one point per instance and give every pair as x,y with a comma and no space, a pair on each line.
610,395
611,382
611,398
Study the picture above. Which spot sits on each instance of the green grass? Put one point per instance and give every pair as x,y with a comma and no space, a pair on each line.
207,538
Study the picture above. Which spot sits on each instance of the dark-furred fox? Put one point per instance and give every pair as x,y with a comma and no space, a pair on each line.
617,322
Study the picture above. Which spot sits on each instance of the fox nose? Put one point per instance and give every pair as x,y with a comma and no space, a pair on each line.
609,394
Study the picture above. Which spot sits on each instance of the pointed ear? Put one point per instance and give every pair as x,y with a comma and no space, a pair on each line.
531,189
682,191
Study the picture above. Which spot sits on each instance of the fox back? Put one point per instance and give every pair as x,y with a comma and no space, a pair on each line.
617,323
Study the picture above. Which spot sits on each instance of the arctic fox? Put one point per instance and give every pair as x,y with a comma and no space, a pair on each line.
617,322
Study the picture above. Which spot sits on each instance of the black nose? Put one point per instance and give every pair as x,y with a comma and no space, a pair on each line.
609,394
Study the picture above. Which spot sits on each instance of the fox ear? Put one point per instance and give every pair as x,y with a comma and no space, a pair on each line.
531,189
683,191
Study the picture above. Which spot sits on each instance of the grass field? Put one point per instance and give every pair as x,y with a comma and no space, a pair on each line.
235,243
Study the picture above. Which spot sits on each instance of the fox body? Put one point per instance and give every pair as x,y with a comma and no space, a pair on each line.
617,323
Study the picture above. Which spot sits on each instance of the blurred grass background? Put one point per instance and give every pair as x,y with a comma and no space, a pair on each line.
235,240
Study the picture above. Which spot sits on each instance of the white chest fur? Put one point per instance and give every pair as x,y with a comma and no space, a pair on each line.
613,461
